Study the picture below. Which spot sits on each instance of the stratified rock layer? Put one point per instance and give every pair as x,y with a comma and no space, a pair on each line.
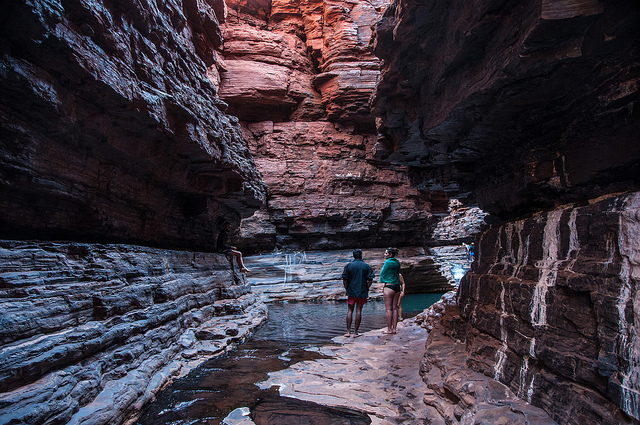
301,60
326,193
385,383
111,126
317,275
550,308
530,108
527,104
90,333
299,75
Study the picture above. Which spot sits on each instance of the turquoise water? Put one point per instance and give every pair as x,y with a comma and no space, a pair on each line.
317,323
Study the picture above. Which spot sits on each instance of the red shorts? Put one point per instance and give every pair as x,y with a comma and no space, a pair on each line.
354,300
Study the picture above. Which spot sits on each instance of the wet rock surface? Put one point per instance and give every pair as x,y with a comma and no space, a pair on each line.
213,391
317,275
376,374
548,306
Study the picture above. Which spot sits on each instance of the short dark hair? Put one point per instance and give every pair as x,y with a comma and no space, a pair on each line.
357,254
393,252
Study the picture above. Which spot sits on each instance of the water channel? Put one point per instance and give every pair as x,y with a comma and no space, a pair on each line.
221,385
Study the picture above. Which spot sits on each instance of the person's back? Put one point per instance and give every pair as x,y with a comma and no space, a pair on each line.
357,277
358,274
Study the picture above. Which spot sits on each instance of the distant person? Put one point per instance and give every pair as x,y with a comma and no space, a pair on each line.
357,278
470,251
390,277
402,288
223,246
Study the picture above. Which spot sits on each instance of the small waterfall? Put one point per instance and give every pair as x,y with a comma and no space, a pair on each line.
530,390
523,249
524,369
611,249
548,268
574,243
498,246
501,357
532,348
292,260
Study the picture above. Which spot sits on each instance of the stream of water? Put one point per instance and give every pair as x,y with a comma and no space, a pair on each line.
221,385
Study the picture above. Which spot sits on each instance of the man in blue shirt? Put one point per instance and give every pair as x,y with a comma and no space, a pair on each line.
357,277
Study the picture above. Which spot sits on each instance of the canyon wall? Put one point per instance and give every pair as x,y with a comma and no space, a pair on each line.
112,135
299,75
530,109
111,126
90,332
520,106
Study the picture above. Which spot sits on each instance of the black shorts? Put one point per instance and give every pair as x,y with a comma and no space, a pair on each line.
395,288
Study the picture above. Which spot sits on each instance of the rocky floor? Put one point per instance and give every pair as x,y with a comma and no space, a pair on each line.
379,375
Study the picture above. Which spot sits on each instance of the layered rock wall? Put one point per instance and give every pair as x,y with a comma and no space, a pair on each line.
111,130
111,126
317,275
324,193
550,308
91,332
299,76
530,108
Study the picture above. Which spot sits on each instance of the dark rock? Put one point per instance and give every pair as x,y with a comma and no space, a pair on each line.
537,315
520,106
110,125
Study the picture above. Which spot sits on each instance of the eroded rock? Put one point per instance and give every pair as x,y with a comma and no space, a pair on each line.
86,339
112,128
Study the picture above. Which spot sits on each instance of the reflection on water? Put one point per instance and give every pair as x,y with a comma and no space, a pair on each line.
221,385
317,323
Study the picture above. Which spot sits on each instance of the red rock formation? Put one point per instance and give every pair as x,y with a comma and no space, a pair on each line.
111,128
324,194
299,75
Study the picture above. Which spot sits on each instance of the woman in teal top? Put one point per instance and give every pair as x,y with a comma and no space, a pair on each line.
390,277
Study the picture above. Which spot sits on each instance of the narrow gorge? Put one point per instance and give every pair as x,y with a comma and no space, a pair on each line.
131,130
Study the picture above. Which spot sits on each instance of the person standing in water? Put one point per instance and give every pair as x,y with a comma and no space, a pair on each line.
390,277
357,278
223,246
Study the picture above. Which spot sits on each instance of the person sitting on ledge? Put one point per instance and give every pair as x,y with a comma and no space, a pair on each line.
223,246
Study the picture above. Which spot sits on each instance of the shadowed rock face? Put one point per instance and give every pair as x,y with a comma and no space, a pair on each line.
111,129
550,308
531,108
528,105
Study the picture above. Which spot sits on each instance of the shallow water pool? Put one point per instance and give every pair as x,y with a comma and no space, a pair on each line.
319,322
219,386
